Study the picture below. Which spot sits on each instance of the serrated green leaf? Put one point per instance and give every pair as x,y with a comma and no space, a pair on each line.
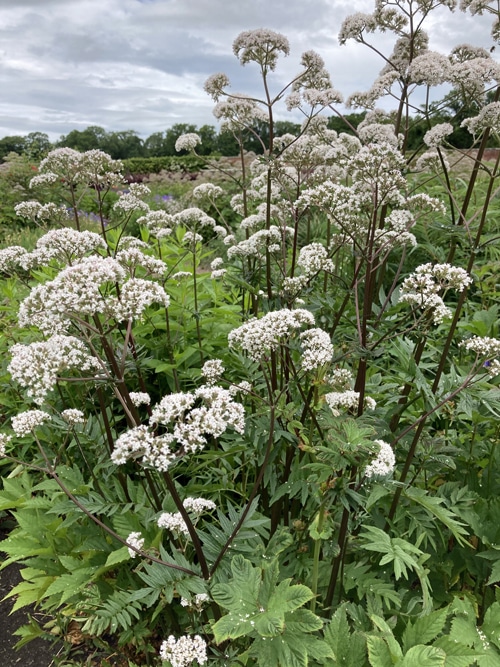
423,656
118,556
378,652
424,629
457,655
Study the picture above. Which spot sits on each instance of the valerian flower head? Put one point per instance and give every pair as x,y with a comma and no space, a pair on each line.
73,416
42,213
437,134
261,46
187,142
384,463
11,258
430,68
137,541
184,651
355,25
346,400
212,370
62,245
37,366
140,398
317,349
488,348
488,117
259,336
215,85
26,422
423,287
239,111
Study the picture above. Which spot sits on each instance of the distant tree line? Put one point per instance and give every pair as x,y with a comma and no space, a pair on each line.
128,144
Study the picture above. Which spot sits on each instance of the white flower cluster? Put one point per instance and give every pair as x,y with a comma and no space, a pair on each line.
132,200
437,134
217,270
422,287
187,142
174,522
78,291
198,505
37,366
10,258
73,416
317,349
135,540
486,347
256,245
261,46
258,336
238,111
4,440
430,68
139,398
488,117
92,167
384,463
342,378
212,370
313,258
215,85
42,213
62,245
136,295
25,422
189,427
133,258
197,602
347,400
207,191
184,651
159,223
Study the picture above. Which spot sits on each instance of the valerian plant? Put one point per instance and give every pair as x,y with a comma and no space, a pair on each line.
287,460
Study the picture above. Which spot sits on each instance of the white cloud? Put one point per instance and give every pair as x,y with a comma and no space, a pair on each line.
141,64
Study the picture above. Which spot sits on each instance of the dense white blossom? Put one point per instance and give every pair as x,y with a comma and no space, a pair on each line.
347,400
215,85
317,349
184,651
212,370
38,366
25,422
11,258
384,463
174,522
137,541
73,416
422,288
258,336
261,46
436,135
140,398
198,505
488,117
187,142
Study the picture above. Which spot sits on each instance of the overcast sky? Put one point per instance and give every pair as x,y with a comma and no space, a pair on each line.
141,64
